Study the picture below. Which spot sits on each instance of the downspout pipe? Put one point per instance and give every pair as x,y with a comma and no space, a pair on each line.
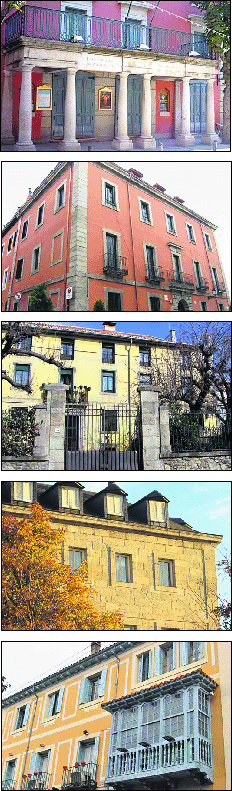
13,265
155,12
29,739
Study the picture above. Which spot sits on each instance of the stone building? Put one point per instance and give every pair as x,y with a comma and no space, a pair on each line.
95,231
132,715
159,570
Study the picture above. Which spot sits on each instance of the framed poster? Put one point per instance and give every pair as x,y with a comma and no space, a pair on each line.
105,99
44,97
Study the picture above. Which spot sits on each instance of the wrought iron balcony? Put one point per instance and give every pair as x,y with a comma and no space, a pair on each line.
8,785
155,276
202,285
181,280
219,288
38,780
82,776
115,267
36,22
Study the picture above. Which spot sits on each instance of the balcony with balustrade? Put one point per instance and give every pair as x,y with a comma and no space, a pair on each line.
180,280
202,285
155,276
40,781
81,776
115,267
73,28
162,735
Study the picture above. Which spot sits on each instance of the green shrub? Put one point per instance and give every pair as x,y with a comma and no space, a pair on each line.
18,431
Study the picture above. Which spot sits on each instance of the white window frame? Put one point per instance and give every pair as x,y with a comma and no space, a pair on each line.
78,5
188,225
144,200
168,214
209,249
3,245
4,278
111,184
38,225
58,261
56,205
24,221
11,247
138,12
22,499
33,271
22,258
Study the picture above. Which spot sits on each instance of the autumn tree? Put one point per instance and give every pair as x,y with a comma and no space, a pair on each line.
5,684
217,23
223,609
39,592
16,341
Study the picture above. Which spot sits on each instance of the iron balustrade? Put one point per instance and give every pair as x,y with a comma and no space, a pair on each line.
155,275
182,279
8,785
202,284
36,22
196,431
219,288
37,780
81,776
115,266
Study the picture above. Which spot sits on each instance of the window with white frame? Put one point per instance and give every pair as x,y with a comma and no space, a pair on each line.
93,687
36,253
10,243
208,242
76,558
191,651
25,229
8,780
191,234
165,658
158,511
4,279
123,568
166,573
70,498
170,223
23,491
22,715
114,504
145,212
144,666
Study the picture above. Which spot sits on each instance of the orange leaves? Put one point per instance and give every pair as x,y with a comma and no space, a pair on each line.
39,593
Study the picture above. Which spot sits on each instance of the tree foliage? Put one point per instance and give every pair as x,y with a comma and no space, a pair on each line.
99,306
39,300
5,684
18,432
223,610
38,591
14,334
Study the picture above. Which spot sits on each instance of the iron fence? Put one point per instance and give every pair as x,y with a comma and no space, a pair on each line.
37,22
40,781
198,431
103,437
81,776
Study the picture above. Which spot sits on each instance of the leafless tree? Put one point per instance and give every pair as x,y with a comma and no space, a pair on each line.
14,333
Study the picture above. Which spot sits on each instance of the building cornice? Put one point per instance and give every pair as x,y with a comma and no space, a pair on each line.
197,677
95,334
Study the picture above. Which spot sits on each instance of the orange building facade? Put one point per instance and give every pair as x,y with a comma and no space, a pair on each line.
94,231
131,715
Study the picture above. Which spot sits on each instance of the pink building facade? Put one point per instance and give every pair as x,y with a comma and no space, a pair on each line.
108,71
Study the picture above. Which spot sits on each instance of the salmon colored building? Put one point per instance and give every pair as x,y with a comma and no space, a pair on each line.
131,715
94,231
126,72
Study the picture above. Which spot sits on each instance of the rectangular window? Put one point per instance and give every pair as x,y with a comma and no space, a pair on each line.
221,306
198,272
93,687
70,498
158,511
144,666
4,279
67,350
215,279
165,658
15,306
114,505
171,227
15,238
8,781
111,245
25,229
204,307
108,382
110,197
55,702
25,344
35,260
190,232
144,357
10,244
109,420
114,301
191,652
208,242
40,216
22,374
123,568
22,716
155,304
145,379
150,261
19,269
75,558
60,197
23,491
177,267
145,214
166,573
108,355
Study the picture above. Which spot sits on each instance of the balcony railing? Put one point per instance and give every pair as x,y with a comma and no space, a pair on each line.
8,785
167,758
202,284
155,275
36,22
180,280
38,780
219,288
115,266
82,776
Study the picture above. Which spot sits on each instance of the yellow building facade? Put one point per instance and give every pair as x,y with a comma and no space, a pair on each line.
159,571
131,715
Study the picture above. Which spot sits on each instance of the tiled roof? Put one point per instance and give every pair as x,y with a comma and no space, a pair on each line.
199,673
61,327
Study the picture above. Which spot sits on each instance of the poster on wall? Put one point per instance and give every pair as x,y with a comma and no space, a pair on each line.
105,99
44,97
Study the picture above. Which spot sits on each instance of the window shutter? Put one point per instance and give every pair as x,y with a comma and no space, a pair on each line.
80,751
95,750
149,665
184,653
102,682
140,668
201,650
51,703
85,690
157,660
32,765
174,656
117,577
26,714
59,701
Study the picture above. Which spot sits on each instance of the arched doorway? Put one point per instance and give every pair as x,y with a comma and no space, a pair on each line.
182,305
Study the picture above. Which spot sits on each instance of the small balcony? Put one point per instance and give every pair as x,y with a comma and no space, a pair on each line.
115,267
155,276
8,785
219,288
180,281
41,23
202,285
81,776
38,780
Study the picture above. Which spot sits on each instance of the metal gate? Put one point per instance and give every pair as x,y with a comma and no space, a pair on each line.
103,437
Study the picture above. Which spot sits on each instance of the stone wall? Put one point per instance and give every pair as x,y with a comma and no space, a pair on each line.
24,463
218,460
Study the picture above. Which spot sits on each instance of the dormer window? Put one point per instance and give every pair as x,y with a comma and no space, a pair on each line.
115,505
70,498
158,511
23,491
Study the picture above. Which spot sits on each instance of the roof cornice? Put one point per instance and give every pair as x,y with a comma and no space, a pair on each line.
197,677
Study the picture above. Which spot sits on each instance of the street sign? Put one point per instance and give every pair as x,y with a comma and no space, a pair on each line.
18,296
69,293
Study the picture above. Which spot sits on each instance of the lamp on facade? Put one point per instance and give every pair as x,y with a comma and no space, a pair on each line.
145,744
123,750
169,738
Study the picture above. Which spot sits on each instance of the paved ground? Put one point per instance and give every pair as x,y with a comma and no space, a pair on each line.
168,145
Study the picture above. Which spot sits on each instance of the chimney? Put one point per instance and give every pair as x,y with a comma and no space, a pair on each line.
109,326
136,173
158,187
95,648
178,200
173,336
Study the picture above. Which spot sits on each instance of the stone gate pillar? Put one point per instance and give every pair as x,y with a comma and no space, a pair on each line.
69,143
122,142
149,396
50,421
25,111
7,109
185,138
210,134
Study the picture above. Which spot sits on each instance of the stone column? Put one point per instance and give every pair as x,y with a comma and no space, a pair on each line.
122,142
177,108
69,143
151,427
146,140
210,135
25,112
54,436
165,445
7,106
185,138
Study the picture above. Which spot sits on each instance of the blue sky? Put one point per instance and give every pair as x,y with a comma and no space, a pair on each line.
157,329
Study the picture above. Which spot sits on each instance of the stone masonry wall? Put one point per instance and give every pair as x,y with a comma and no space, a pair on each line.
203,461
24,463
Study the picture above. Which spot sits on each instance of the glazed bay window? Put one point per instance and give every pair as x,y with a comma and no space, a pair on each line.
144,666
93,687
191,652
108,382
108,353
55,702
123,568
166,573
22,374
